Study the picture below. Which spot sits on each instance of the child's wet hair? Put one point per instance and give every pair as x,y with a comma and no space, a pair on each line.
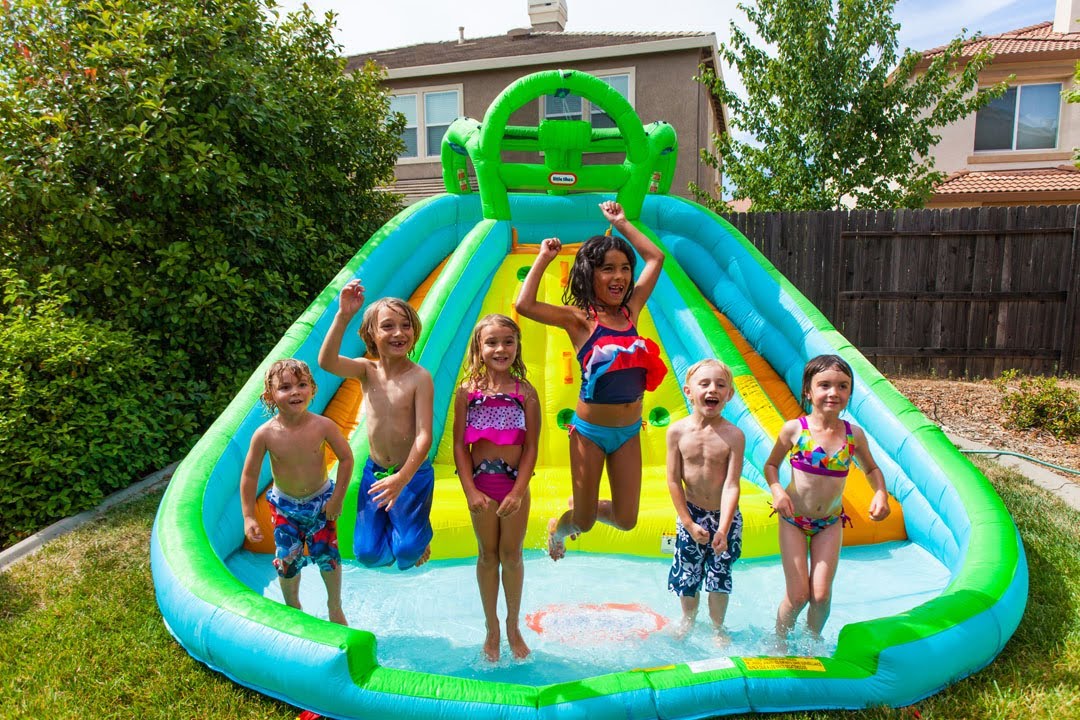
590,256
724,369
821,363
299,368
475,369
367,324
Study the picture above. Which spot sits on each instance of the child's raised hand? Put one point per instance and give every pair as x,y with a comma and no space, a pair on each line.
549,248
510,505
352,297
613,211
700,534
879,506
385,492
252,530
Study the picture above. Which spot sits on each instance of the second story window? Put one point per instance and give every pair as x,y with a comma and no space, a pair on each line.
428,114
1024,118
573,107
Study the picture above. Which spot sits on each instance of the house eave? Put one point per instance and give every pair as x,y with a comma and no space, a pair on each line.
568,56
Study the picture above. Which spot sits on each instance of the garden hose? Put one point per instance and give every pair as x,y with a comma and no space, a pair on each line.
1021,455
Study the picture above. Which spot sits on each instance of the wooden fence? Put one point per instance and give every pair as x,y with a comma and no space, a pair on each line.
966,292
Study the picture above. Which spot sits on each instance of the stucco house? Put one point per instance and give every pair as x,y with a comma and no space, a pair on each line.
1017,150
434,83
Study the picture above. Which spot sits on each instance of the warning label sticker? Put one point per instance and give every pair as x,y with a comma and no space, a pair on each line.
700,666
784,663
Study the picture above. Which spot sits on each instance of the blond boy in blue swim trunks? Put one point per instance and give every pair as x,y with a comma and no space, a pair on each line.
304,504
393,511
704,463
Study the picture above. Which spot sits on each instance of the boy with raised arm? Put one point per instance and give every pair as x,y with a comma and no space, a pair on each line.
394,504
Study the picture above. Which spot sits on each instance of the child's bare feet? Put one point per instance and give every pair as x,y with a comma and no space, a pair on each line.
424,556
491,645
720,637
517,642
684,627
555,548
338,616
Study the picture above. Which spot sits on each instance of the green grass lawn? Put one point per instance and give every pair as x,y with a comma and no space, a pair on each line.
81,635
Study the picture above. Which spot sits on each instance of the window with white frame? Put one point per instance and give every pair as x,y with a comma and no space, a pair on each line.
1024,118
568,106
428,114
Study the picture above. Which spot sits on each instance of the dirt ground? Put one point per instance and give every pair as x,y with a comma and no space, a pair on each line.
972,409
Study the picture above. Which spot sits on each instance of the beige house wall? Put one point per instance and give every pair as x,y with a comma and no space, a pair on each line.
956,150
663,89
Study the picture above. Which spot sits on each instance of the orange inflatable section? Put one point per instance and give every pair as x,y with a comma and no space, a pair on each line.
857,492
343,409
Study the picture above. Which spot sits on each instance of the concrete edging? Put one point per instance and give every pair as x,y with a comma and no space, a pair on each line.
32,544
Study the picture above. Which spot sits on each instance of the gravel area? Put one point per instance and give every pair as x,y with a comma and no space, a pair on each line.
972,409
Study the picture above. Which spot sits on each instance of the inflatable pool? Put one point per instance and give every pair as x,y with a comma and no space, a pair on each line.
461,254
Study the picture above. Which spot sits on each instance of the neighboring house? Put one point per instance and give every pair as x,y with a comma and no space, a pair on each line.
1018,149
434,83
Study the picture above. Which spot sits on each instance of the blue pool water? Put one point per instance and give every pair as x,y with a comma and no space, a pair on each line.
429,619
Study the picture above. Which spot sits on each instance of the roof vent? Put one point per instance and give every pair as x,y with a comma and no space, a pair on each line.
519,33
547,15
461,35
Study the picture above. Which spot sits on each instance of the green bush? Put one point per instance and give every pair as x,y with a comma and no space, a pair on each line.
193,172
1040,402
81,415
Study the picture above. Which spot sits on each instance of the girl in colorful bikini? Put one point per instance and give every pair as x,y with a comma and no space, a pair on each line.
602,303
820,448
496,434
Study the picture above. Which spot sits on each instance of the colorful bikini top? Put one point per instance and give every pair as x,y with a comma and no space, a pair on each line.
498,418
618,366
815,460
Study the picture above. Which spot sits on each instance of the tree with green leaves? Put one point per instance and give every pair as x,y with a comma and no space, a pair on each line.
832,115
178,181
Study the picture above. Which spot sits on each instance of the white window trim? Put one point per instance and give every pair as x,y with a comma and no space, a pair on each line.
586,106
423,153
1016,121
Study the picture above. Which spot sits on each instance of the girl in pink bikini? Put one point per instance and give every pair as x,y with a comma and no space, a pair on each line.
602,304
820,447
496,433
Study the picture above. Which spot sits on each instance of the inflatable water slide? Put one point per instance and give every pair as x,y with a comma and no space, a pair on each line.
462,254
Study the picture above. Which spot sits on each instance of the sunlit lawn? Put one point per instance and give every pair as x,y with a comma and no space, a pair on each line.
81,635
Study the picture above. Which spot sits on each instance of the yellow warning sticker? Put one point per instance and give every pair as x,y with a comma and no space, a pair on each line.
784,663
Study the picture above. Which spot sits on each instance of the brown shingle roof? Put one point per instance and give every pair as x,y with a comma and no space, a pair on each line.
513,44
1055,179
1040,39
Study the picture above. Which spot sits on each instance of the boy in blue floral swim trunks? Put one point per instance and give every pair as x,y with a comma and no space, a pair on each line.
304,504
704,463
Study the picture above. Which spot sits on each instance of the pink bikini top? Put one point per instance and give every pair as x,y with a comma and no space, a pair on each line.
498,418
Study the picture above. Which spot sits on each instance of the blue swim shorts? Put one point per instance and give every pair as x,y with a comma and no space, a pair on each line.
695,564
299,522
608,439
400,534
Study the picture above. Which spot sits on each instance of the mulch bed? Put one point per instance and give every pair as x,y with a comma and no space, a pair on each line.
972,409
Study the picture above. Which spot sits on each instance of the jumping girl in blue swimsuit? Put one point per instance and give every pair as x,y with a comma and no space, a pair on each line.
602,303
810,507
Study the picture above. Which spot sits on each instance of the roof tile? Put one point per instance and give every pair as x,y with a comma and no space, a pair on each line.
513,44
1063,177
1039,38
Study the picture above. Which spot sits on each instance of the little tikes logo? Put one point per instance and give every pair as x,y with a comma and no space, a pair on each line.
563,178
